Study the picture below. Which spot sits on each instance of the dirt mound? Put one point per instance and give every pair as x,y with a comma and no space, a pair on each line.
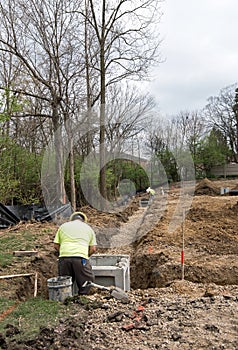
235,188
206,187
119,214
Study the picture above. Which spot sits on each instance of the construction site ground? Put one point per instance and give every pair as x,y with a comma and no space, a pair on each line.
171,305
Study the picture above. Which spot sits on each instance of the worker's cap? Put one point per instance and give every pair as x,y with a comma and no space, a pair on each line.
78,215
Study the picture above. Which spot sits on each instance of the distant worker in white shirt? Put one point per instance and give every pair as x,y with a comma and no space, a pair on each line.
76,242
151,192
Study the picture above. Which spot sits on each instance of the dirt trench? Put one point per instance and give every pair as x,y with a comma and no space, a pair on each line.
164,312
210,243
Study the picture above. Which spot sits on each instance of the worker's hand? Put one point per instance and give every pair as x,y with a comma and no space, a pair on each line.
91,250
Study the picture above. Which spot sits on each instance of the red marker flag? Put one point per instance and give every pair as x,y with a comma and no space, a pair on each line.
182,257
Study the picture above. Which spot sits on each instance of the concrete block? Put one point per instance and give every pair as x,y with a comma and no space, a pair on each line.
110,270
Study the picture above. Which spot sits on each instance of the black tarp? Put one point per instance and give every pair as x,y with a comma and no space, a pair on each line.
13,214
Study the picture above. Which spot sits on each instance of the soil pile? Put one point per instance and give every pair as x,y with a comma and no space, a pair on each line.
206,187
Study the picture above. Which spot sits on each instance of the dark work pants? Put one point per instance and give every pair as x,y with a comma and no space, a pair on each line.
73,266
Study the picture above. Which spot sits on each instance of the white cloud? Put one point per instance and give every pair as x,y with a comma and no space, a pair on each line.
200,51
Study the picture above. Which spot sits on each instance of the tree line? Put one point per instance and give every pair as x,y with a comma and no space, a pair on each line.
71,115
210,134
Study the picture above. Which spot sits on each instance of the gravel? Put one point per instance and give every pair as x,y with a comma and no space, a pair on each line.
183,315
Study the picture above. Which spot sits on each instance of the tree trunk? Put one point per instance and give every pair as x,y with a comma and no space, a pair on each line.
59,196
102,111
72,179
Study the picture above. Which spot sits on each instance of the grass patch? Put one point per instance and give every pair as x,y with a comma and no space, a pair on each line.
30,316
22,241
5,259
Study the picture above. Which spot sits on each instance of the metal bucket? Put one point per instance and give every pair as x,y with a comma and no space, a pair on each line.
59,288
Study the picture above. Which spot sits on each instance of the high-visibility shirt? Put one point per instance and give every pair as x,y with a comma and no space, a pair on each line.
74,238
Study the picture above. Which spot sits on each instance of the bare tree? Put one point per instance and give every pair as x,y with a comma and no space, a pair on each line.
127,45
127,116
173,140
221,115
189,128
42,36
68,62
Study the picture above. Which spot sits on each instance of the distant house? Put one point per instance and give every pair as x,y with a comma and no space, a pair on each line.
230,169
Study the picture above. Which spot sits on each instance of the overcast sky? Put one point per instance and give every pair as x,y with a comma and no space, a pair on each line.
200,48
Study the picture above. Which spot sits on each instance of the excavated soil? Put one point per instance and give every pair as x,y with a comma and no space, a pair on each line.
170,306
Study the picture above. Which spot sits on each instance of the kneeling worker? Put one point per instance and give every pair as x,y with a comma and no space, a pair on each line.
76,242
